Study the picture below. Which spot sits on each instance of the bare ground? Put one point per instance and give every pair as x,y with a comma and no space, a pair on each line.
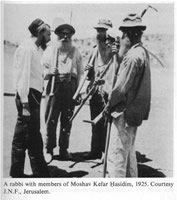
154,142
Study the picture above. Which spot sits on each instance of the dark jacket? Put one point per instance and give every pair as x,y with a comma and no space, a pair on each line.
132,91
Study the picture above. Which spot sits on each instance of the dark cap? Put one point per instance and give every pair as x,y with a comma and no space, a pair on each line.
64,26
34,26
132,21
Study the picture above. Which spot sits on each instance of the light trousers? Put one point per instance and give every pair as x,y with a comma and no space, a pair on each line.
122,160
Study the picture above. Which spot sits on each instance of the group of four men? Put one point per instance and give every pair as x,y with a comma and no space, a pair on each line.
125,90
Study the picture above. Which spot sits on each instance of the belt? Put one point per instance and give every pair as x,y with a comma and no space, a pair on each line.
63,78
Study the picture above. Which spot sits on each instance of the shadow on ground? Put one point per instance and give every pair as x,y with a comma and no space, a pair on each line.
145,171
55,172
78,157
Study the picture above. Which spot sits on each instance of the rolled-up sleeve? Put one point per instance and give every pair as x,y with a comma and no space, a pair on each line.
80,68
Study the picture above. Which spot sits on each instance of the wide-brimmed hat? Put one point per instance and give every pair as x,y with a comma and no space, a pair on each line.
104,23
132,20
35,26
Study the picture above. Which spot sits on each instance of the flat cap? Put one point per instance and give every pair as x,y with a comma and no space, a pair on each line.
64,26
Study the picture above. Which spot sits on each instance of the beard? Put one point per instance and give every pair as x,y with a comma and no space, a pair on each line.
43,43
101,38
125,45
66,44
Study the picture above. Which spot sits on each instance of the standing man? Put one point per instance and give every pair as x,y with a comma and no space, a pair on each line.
29,87
63,62
102,55
130,99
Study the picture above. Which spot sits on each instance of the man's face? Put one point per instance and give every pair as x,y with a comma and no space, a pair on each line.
125,40
46,35
65,35
125,44
101,34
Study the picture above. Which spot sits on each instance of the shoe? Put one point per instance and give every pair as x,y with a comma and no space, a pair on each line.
48,157
65,155
92,155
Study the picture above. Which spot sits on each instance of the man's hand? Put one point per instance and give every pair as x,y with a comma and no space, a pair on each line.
78,101
99,81
115,48
26,112
106,111
88,67
54,71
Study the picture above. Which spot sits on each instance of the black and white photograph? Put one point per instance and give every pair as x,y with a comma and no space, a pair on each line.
88,94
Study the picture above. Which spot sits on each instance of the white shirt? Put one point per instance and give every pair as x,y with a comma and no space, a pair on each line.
69,62
27,67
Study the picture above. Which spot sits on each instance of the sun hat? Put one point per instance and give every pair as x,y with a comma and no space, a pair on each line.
104,23
132,20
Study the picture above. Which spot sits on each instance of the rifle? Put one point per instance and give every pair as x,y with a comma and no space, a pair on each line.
109,123
95,83
111,40
96,120
84,78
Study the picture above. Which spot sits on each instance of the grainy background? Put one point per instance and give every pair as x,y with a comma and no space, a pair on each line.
154,142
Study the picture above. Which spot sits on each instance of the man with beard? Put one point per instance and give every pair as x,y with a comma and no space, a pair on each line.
29,87
102,54
129,99
63,62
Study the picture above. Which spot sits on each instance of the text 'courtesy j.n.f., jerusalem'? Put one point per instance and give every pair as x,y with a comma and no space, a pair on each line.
32,187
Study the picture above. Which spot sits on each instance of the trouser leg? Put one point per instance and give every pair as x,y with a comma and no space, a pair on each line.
35,142
51,118
98,130
121,160
18,145
65,128
67,109
132,166
27,136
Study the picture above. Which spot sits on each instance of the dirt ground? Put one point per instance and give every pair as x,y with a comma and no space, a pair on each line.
154,142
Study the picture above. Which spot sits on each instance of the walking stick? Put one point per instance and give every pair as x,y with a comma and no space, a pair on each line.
109,123
53,76
52,86
107,145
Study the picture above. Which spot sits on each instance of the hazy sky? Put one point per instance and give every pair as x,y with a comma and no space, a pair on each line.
17,17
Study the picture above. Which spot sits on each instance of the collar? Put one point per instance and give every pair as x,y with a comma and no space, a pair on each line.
136,45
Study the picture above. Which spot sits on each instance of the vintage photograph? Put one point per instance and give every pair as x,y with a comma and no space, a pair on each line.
88,90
